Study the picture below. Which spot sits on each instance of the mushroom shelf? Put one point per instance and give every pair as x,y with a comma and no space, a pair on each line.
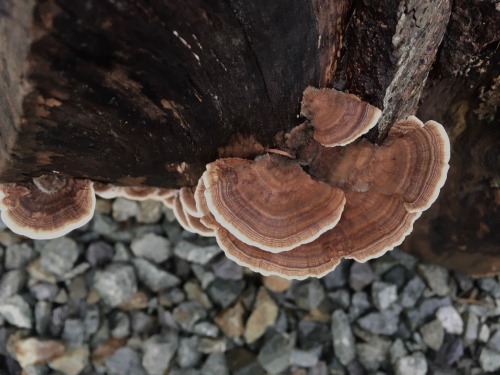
295,211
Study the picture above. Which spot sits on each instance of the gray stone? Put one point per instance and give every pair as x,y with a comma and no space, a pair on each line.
308,294
312,334
343,339
123,209
72,362
494,341
208,345
359,305
397,275
450,319
149,212
59,255
304,358
215,364
405,259
186,355
125,361
360,276
153,277
412,292
243,362
471,328
340,299
171,297
205,329
194,253
490,286
77,289
119,325
397,350
12,282
381,323
16,311
225,292
18,255
187,314
122,253
59,315
99,253
436,278
275,355
43,316
374,353
338,277
152,247
44,291
92,320
450,352
414,364
142,323
73,333
227,269
116,283
489,360
433,334
428,307
383,294
204,276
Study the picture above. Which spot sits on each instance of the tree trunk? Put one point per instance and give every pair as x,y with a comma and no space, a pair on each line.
147,93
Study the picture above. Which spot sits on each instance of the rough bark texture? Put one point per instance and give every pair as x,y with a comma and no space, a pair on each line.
461,230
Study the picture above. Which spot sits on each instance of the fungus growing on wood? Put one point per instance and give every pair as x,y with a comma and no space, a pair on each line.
271,202
49,206
338,118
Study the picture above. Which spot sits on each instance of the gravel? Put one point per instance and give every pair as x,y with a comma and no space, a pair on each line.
132,293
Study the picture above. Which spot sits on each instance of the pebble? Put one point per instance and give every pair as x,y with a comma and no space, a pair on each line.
149,212
125,361
34,351
340,298
230,320
18,256
414,364
359,305
338,277
489,360
227,269
208,345
119,325
186,356
153,277
490,286
312,334
380,323
412,292
73,333
494,341
450,319
304,358
215,364
72,362
59,255
99,253
436,278
243,362
123,209
433,334
343,339
43,316
471,327
373,353
44,291
308,294
206,329
152,247
188,313
194,253
12,282
383,294
275,283
263,316
275,355
225,292
16,311
116,283
397,350
360,276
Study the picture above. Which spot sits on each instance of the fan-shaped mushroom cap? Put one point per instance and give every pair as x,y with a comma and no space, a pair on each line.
180,214
48,207
207,219
186,195
107,191
270,203
413,162
304,261
338,118
139,193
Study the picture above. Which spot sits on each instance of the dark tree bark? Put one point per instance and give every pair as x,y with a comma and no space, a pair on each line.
135,92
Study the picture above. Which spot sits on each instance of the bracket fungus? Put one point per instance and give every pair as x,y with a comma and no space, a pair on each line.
295,210
49,206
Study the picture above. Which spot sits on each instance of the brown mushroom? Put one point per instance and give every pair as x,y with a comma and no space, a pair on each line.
186,195
106,191
270,203
50,206
180,215
338,118
207,219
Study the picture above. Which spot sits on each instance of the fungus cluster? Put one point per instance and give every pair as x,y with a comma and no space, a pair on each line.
295,211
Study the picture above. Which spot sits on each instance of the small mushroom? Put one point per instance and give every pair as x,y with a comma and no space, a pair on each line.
338,118
186,195
49,206
270,203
